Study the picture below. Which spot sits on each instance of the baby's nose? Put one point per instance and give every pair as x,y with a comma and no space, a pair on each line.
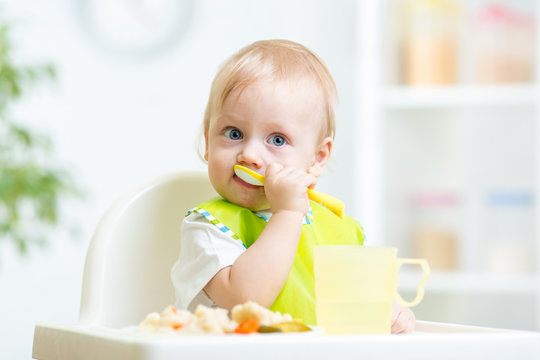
250,155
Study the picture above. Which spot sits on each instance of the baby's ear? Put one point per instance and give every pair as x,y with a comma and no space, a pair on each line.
205,143
322,156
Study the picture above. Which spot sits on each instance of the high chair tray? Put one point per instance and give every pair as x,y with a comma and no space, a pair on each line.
430,341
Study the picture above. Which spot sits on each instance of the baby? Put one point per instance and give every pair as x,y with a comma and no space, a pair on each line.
271,109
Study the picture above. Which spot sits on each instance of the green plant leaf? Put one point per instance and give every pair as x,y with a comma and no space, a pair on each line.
30,192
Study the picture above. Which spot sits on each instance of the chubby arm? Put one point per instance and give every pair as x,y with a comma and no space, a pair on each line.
261,271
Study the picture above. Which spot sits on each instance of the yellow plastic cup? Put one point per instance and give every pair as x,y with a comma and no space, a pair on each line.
355,286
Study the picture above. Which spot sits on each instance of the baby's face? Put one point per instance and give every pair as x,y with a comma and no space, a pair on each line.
268,122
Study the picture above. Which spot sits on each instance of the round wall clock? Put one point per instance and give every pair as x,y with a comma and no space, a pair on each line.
136,27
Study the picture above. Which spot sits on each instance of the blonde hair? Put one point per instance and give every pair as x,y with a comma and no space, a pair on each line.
276,60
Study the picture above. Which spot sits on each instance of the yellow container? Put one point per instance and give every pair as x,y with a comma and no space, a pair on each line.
355,286
430,42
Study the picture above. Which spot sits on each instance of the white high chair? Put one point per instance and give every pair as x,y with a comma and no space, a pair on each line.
134,246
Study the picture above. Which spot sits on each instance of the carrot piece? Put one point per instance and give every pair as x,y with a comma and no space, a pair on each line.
176,326
247,326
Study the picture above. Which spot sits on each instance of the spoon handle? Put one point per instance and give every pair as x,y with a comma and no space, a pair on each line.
335,205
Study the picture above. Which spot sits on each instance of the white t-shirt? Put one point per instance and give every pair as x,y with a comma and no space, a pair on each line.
204,250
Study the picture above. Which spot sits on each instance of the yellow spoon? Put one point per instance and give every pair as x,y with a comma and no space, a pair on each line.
251,177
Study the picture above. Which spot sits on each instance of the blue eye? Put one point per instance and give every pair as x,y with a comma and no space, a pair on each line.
277,140
233,134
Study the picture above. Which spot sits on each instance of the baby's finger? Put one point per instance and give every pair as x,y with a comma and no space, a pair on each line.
273,169
302,179
403,323
310,180
396,309
397,324
411,326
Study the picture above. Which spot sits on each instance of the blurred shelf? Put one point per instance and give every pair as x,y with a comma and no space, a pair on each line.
408,97
468,160
473,282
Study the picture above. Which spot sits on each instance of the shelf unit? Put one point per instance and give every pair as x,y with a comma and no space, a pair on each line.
402,97
473,282
379,103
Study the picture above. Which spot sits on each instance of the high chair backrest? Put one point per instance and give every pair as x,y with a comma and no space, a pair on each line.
135,244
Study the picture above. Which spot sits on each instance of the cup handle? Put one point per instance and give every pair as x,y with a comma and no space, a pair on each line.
420,288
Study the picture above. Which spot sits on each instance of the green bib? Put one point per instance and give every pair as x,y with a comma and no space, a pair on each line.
298,294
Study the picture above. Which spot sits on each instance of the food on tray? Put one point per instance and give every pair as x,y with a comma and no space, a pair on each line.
290,326
205,320
245,319
252,310
247,326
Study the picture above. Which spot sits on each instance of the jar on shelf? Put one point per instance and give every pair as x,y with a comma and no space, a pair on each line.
503,45
436,228
510,232
430,42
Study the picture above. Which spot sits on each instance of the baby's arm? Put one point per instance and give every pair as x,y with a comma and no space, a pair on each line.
403,319
261,271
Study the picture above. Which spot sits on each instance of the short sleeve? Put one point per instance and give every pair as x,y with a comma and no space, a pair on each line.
204,250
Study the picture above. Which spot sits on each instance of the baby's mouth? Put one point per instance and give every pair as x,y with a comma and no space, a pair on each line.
245,184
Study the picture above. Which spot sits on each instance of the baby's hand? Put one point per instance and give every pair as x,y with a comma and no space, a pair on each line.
403,319
286,188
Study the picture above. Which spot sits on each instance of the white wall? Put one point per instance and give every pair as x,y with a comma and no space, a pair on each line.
118,121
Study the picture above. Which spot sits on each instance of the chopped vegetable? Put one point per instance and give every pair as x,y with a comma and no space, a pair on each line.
247,326
291,326
268,329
